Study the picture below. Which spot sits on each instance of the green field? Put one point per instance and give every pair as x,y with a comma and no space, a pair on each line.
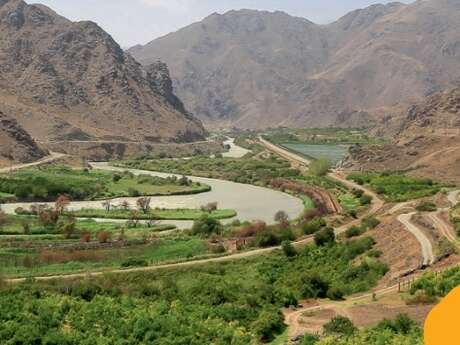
397,187
332,153
21,262
172,214
46,184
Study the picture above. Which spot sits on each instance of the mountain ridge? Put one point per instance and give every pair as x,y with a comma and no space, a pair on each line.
77,82
289,71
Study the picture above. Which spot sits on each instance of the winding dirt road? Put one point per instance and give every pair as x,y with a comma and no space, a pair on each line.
53,156
427,247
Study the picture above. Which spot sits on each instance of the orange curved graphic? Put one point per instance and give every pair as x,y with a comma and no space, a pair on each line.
442,326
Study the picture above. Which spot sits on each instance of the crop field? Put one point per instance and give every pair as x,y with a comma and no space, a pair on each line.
332,153
155,214
46,184
23,262
398,187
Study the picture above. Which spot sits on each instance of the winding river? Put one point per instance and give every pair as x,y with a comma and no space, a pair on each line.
250,202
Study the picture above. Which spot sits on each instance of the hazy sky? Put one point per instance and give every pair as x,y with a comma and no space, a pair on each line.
139,21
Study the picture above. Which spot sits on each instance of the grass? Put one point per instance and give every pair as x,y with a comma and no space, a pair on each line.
323,136
14,227
172,214
333,153
46,184
30,262
398,187
349,202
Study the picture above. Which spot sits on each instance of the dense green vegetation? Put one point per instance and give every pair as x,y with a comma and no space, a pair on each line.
226,303
47,183
437,284
397,187
244,170
401,331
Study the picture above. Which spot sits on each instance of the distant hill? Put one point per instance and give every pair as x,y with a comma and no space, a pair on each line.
259,69
66,80
16,145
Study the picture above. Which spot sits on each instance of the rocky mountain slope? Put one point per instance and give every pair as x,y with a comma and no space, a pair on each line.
16,144
427,141
258,69
66,80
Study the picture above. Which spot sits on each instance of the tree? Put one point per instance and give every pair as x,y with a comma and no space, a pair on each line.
125,205
325,237
281,217
107,204
339,325
320,167
61,203
288,249
144,204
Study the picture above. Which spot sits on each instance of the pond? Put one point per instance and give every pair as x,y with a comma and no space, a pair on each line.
334,153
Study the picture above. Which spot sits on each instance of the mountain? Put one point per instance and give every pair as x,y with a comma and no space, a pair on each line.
426,141
259,69
66,80
16,144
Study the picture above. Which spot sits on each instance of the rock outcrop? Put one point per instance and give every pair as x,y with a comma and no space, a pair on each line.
16,145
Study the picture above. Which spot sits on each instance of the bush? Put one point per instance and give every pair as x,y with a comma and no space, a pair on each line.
314,226
358,193
206,226
335,294
309,339
134,263
314,286
426,206
403,324
340,325
104,236
370,223
320,167
288,249
354,231
365,200
325,237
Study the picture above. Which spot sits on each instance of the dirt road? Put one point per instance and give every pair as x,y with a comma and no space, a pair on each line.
427,247
48,159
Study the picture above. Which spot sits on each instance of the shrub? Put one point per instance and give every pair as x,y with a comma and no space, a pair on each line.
104,236
354,231
267,238
358,193
134,193
206,226
314,286
340,325
426,206
320,167
309,339
313,226
133,262
335,294
85,237
288,249
370,223
325,237
365,200
403,324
